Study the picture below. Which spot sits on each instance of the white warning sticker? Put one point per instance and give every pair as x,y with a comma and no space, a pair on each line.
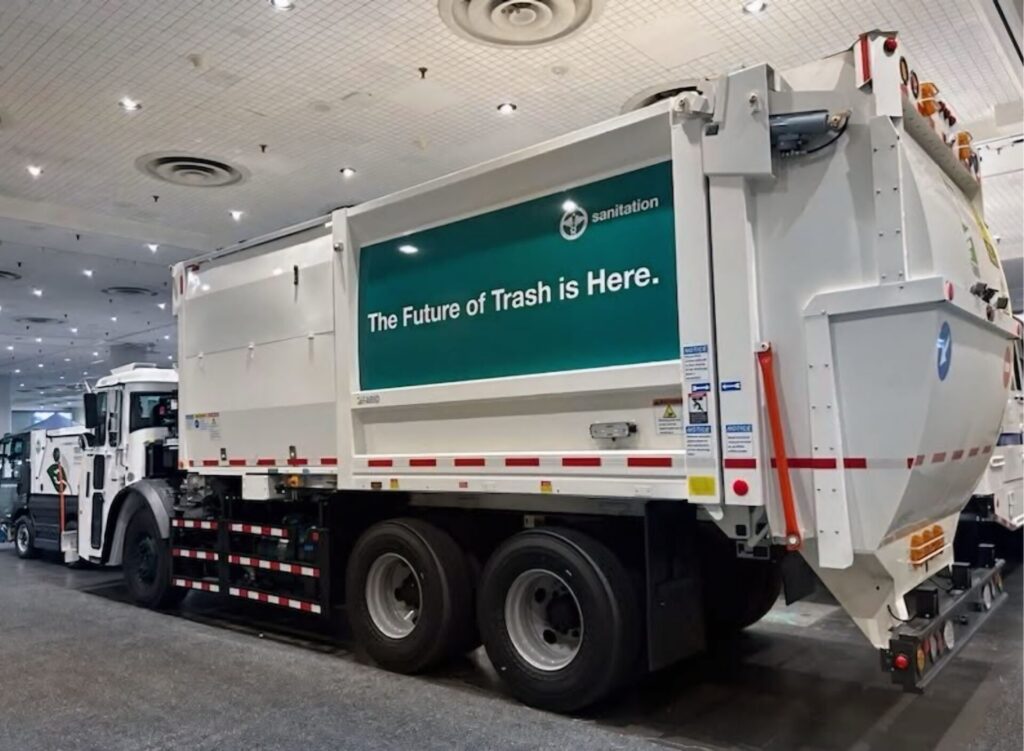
698,440
739,439
695,363
668,417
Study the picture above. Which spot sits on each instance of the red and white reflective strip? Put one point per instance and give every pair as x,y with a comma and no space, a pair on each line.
859,462
258,529
195,584
295,461
604,463
288,568
193,524
285,602
862,60
199,555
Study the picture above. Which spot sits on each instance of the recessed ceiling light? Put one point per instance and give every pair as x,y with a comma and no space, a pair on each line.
161,305
39,340
170,357
754,6
282,4
408,249
37,292
17,370
95,354
34,170
113,318
85,372
67,359
236,214
74,330
507,108
87,272
39,365
570,205
20,385
167,336
129,105
153,247
62,378
10,347
347,172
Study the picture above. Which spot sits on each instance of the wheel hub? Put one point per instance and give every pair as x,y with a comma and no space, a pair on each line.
145,560
22,538
544,620
393,595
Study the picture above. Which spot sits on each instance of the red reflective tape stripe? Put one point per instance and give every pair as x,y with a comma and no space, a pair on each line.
797,462
938,457
305,606
958,454
522,461
855,463
919,460
740,463
865,54
236,462
191,463
265,462
328,460
910,462
581,461
973,452
176,551
210,463
987,450
378,463
470,461
649,461
298,462
423,462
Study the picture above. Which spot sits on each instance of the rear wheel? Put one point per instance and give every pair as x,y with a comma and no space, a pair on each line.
559,618
146,563
410,597
737,591
25,538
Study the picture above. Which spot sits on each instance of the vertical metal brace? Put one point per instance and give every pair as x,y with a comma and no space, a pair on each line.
890,246
831,505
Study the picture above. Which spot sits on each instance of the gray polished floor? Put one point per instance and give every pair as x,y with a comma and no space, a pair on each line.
83,670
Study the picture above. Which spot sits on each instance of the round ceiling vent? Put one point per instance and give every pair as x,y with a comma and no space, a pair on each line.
654,94
190,171
9,275
37,320
129,291
518,23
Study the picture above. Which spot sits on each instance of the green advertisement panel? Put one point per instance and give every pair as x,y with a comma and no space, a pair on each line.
583,278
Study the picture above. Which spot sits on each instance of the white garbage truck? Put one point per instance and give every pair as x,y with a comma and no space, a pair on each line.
593,404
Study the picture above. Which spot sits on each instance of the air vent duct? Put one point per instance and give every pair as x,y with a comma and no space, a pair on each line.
518,23
129,291
190,171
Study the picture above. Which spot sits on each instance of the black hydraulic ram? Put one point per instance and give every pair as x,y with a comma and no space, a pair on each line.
945,614
792,133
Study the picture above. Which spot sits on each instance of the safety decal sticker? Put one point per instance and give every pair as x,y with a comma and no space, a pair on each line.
731,386
944,347
696,363
698,440
739,439
703,486
668,417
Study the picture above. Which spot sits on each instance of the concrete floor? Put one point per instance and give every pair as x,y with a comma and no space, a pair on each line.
83,670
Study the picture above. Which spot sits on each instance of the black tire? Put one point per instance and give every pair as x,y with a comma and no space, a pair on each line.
25,538
441,587
737,591
609,634
146,563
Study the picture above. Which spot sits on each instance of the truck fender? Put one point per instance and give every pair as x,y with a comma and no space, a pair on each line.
157,494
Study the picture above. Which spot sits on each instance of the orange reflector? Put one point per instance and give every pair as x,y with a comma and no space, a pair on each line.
293,481
920,660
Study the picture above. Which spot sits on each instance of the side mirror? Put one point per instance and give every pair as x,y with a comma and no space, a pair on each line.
92,416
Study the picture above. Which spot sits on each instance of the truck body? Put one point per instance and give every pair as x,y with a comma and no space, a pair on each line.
593,403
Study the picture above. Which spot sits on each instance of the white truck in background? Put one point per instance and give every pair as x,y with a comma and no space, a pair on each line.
590,402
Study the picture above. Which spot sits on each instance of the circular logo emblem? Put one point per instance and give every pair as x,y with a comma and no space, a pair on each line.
573,224
944,345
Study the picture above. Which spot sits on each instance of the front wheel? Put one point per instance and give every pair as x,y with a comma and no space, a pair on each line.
147,563
25,539
559,618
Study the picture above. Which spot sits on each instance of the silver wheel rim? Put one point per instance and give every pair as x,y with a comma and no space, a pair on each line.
393,596
22,538
544,620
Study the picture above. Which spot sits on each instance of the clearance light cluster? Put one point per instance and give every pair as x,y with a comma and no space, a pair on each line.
926,543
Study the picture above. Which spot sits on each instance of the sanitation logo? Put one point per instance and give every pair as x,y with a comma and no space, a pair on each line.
575,219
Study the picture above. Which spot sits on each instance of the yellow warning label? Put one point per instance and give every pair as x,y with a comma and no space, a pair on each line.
394,484
701,485
545,486
670,414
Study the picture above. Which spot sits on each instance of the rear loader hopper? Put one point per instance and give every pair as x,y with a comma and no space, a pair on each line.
768,309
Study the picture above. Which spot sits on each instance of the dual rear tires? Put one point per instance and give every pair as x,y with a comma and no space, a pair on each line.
554,608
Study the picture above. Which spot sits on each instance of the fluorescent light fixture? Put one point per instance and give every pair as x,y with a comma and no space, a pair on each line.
129,105
408,249
37,292
35,170
39,340
10,347
347,172
507,108
754,6
153,247
236,214
170,357
17,370
39,365
67,359
570,205
95,354
328,225
167,337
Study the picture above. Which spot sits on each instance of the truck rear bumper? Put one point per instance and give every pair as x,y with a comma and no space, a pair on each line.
947,613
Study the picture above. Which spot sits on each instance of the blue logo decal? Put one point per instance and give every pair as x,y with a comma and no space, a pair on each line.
695,349
740,427
702,387
698,429
944,345
730,385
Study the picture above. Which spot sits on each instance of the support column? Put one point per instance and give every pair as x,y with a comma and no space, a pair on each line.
5,404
